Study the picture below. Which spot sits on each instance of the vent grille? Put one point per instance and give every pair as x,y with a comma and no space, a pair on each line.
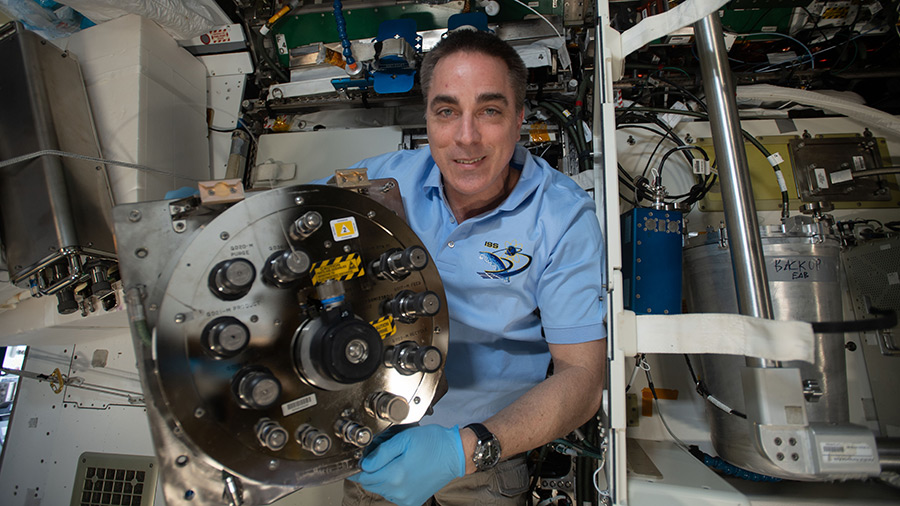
104,479
873,272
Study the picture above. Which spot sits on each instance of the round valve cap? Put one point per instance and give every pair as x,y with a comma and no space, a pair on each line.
428,359
226,336
390,407
259,389
232,279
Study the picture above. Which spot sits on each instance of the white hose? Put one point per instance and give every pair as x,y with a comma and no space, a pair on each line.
886,123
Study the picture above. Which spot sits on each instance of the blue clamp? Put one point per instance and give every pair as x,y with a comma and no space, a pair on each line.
396,72
477,20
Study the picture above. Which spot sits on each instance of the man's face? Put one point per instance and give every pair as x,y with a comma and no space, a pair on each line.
473,125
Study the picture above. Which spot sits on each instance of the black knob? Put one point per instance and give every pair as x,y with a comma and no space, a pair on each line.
257,388
66,301
396,264
349,350
100,285
226,336
408,306
285,267
231,279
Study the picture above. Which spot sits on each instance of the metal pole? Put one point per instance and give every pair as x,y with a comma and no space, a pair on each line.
744,242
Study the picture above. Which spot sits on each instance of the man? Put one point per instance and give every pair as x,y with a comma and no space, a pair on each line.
520,255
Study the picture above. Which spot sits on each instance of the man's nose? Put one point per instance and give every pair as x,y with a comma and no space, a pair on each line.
467,130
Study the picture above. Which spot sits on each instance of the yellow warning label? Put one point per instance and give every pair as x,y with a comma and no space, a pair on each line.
341,269
385,326
344,228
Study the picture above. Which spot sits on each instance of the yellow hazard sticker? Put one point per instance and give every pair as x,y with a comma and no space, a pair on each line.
340,268
385,326
344,228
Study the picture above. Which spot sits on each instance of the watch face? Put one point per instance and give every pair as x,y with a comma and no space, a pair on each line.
487,454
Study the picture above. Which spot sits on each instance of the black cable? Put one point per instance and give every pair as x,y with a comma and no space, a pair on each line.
684,90
702,390
275,66
537,471
668,153
815,23
753,140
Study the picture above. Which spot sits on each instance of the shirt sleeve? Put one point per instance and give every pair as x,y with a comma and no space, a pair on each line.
571,291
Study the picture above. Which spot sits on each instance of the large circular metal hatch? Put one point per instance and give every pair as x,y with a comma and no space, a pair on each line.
296,326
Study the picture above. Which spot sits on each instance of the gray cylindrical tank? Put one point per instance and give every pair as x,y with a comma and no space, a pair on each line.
802,259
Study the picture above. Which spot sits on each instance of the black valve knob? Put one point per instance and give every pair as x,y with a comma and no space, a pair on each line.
257,388
231,279
396,264
226,336
66,301
408,306
285,267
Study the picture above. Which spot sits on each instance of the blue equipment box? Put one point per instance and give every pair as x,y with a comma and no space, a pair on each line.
651,260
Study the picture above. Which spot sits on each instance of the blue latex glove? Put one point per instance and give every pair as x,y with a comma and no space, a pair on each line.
410,467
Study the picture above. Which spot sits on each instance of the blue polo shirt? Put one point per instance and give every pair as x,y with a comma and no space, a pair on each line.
527,273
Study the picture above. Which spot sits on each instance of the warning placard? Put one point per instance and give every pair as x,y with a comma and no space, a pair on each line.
344,228
340,268
385,326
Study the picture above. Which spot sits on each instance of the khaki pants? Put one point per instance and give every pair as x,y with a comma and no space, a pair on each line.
504,485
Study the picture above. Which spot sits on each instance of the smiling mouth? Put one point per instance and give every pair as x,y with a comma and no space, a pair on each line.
468,162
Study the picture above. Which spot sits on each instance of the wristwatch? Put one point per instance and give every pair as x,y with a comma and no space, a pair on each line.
487,449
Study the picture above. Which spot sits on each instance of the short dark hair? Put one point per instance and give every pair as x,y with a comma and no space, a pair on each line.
476,41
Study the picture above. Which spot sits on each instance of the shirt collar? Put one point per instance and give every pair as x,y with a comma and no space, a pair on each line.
528,179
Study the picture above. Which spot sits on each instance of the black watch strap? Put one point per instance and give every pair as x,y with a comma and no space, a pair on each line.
481,432
487,449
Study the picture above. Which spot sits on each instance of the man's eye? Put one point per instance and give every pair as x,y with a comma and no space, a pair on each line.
445,113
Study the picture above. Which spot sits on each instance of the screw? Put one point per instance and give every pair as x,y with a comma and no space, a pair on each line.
273,465
199,413
134,216
347,248
224,236
328,244
778,441
140,252
179,318
254,318
371,214
417,400
299,201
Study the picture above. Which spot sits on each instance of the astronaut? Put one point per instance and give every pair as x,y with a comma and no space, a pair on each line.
521,256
